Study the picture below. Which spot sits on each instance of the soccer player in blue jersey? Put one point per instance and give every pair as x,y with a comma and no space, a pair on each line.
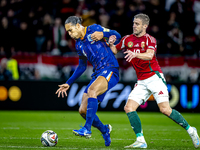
92,46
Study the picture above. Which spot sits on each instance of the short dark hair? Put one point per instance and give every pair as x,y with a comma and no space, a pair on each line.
73,20
145,18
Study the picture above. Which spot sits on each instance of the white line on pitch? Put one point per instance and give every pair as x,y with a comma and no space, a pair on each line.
28,138
17,128
34,147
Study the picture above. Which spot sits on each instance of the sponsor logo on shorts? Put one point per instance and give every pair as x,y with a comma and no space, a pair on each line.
160,93
104,72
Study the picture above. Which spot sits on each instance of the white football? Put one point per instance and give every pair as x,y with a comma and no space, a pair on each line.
49,138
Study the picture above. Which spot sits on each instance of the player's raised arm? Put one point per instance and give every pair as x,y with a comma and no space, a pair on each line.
97,35
101,32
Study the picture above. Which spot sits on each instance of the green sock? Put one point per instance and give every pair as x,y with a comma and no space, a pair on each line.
178,118
135,123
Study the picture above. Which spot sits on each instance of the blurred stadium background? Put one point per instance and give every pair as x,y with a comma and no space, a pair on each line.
37,54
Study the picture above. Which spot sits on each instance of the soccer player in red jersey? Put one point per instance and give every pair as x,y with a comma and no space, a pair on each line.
140,49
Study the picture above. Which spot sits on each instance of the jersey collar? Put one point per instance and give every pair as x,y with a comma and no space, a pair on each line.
141,36
84,33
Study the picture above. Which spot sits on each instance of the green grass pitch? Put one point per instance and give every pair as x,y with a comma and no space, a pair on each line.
23,129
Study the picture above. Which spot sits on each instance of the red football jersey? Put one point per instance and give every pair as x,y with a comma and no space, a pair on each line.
144,68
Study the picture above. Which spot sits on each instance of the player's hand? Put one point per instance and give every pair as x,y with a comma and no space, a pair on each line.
112,39
96,36
62,90
130,55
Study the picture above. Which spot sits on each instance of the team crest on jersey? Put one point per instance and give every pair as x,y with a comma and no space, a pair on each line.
143,45
89,39
130,44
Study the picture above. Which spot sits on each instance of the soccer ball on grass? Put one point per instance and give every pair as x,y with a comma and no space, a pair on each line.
49,138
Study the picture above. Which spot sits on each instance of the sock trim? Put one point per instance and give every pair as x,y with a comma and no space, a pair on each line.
187,127
139,134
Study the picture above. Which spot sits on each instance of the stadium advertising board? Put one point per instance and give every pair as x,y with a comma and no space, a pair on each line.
40,95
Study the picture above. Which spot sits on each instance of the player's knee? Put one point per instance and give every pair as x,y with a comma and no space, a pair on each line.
82,111
165,110
92,92
128,109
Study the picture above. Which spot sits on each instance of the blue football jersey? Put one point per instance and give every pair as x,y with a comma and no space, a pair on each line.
98,53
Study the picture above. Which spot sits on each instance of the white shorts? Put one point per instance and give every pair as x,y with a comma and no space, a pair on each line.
145,88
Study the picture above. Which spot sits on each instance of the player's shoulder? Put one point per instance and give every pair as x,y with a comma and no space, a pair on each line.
149,36
93,26
127,37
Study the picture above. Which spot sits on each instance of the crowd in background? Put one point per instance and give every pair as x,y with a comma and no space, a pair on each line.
31,26
38,26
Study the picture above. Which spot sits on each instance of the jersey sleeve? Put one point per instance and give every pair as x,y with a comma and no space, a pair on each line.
79,48
151,43
82,64
79,70
121,45
107,32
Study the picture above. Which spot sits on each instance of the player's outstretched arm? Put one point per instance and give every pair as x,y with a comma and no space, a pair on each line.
77,73
79,70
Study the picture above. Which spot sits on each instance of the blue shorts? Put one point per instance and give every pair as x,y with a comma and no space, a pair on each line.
112,76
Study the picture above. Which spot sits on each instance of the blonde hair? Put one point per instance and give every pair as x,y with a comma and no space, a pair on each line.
145,18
